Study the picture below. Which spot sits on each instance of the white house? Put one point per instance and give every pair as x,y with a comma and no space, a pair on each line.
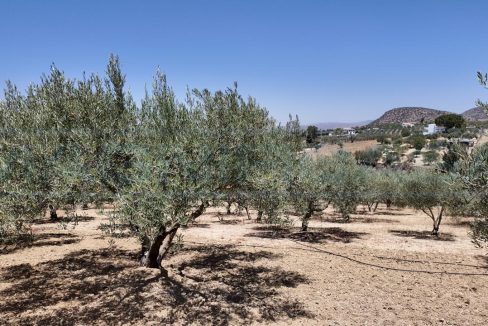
350,131
432,128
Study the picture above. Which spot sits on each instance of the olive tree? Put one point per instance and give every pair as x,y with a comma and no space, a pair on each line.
348,183
269,189
472,172
451,120
389,185
369,157
60,143
310,187
370,198
382,186
235,132
167,176
432,193
214,147
430,157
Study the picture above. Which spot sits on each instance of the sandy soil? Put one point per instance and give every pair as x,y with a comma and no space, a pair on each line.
329,149
482,140
380,269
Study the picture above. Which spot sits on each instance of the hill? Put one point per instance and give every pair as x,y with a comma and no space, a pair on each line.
476,113
408,114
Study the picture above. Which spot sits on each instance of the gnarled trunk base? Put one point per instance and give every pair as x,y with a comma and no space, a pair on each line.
260,216
159,247
52,213
307,216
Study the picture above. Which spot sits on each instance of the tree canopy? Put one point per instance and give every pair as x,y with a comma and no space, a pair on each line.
451,120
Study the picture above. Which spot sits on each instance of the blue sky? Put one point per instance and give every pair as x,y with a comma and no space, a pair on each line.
323,60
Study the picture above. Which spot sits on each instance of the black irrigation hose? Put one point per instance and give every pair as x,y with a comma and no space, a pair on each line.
429,262
357,261
390,268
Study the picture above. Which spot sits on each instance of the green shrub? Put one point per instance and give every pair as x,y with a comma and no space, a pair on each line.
417,141
451,121
430,157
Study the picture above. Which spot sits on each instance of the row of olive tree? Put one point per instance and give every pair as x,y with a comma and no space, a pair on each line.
66,143
339,181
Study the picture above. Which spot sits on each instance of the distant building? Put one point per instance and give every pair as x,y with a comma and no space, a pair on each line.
432,128
349,131
408,124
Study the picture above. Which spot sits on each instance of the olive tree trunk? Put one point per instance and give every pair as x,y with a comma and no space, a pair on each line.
306,217
375,207
370,206
200,210
437,223
247,212
260,216
159,247
436,220
52,213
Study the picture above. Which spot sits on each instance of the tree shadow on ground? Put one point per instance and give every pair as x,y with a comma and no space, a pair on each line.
38,240
367,219
391,213
196,225
335,219
228,222
460,223
215,285
430,262
423,235
117,230
79,218
64,219
362,219
313,235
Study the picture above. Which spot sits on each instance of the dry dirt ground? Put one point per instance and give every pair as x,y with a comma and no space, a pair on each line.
380,269
329,149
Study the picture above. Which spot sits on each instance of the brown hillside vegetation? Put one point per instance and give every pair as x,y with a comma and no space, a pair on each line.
408,114
382,268
475,114
416,114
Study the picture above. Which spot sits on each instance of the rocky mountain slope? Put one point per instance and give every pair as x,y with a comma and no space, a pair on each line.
408,114
475,114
